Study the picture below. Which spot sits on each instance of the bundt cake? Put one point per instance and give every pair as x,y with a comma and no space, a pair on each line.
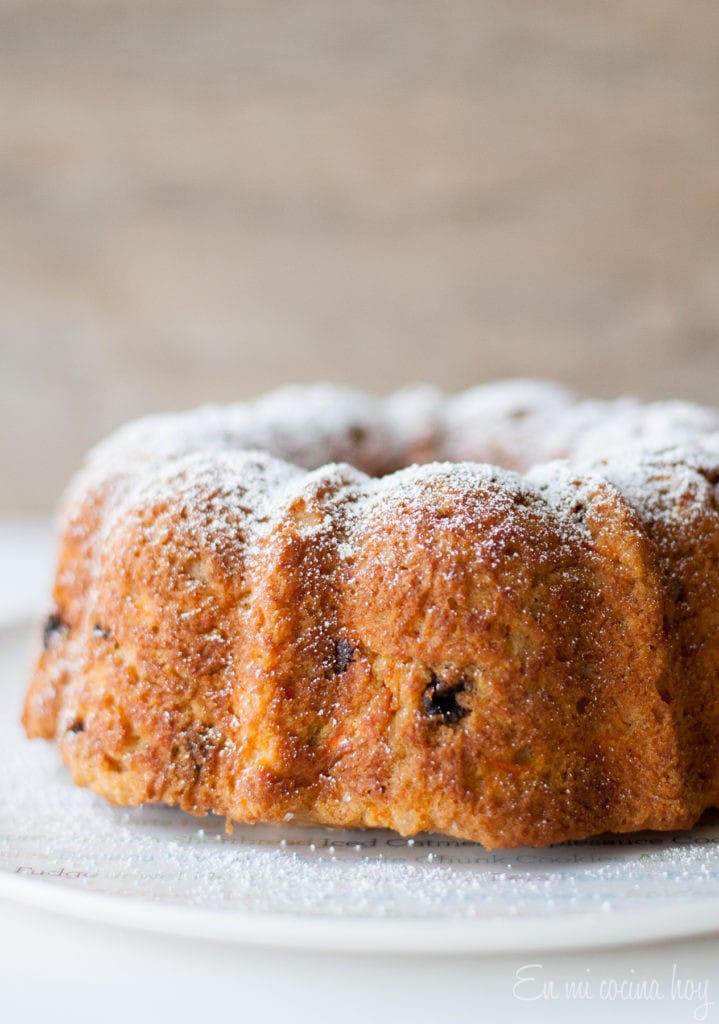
494,615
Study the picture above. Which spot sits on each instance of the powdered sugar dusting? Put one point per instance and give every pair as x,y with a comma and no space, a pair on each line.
234,471
515,424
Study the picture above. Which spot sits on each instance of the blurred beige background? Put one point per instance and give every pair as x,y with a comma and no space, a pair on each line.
202,200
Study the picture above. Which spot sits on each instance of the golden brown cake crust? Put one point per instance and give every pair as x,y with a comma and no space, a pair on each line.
513,659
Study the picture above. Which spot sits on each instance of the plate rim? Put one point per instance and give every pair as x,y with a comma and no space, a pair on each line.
485,934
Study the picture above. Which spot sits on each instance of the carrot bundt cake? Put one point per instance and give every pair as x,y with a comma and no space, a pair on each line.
494,615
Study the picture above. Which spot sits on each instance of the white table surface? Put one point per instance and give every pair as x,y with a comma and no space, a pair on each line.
54,968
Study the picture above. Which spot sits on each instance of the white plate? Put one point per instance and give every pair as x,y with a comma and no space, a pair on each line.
157,869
